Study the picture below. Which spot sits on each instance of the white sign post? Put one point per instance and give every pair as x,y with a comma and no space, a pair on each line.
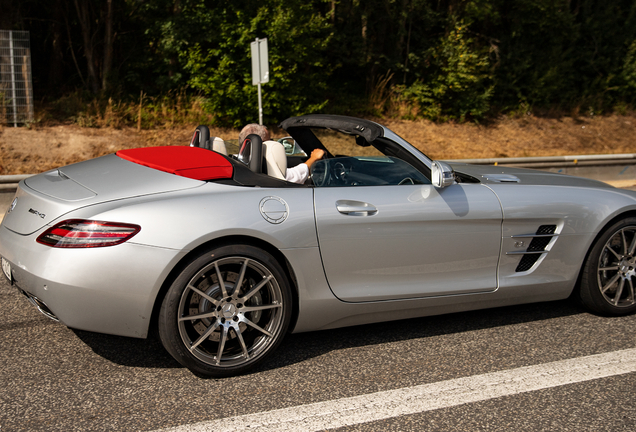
260,70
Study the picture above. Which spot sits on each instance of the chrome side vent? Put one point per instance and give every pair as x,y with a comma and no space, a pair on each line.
539,244
546,229
536,248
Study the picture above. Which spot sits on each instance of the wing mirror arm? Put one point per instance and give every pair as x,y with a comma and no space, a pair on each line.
442,174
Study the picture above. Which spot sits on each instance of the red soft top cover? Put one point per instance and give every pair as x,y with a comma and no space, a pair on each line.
191,162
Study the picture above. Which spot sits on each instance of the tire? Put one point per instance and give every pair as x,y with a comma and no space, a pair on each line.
225,329
609,273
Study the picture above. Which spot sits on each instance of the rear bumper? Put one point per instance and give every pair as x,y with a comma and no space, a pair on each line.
106,290
39,304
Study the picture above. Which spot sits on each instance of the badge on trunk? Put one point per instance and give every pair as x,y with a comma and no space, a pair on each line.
13,204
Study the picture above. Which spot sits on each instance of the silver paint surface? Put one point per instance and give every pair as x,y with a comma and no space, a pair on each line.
355,254
421,242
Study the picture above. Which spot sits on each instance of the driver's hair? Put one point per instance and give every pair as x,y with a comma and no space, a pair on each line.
254,128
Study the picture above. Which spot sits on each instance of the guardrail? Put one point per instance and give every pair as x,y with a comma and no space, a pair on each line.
619,170
10,182
556,161
607,167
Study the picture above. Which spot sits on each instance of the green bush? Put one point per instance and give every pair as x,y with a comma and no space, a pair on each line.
220,63
629,71
458,81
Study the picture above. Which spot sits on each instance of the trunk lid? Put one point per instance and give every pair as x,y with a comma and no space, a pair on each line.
43,198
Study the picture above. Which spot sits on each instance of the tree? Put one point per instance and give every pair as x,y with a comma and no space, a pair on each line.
219,61
337,54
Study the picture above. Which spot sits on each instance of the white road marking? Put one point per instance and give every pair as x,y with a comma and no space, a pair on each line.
426,397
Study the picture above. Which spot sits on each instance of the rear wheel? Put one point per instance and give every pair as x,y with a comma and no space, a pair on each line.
609,274
226,312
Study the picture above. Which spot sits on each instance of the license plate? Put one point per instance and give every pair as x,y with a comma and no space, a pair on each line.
6,269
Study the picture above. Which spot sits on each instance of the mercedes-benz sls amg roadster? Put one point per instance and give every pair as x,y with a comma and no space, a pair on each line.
223,257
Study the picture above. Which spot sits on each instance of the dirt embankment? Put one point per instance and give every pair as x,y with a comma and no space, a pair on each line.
26,151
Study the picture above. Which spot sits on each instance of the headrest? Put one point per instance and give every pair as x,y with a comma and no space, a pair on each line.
275,159
251,153
218,145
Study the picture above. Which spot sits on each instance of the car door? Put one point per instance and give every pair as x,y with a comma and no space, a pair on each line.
405,241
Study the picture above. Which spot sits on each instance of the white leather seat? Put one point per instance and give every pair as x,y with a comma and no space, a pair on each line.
218,145
275,159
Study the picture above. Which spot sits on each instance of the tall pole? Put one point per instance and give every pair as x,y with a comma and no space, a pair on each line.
260,106
260,97
15,108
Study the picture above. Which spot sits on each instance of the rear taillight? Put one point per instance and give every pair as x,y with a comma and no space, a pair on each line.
78,233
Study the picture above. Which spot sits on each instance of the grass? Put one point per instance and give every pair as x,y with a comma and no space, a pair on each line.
171,110
79,127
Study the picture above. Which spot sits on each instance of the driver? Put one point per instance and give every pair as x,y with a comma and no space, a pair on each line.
297,174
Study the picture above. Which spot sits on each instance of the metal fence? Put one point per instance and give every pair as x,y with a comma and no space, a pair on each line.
16,89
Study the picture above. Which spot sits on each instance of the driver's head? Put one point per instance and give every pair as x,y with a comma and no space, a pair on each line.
254,128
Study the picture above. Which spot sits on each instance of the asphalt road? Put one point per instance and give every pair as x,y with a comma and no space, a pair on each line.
53,378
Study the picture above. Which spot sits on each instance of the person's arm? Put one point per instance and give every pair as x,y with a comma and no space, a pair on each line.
317,154
300,172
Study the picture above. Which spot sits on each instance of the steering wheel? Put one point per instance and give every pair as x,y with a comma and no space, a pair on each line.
407,180
320,173
340,172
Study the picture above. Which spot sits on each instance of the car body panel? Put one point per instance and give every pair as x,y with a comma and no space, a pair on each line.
114,178
108,178
489,174
187,219
418,242
154,250
109,288
578,215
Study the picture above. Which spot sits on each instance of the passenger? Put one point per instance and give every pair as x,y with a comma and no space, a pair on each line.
297,174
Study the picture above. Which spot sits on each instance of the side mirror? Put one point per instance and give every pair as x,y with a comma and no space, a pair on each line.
442,174
291,147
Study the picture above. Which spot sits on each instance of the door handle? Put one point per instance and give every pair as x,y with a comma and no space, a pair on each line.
355,208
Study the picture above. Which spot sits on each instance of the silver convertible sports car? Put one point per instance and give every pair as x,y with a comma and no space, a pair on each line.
223,256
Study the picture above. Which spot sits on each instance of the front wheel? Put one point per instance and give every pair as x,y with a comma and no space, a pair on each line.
609,274
226,311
